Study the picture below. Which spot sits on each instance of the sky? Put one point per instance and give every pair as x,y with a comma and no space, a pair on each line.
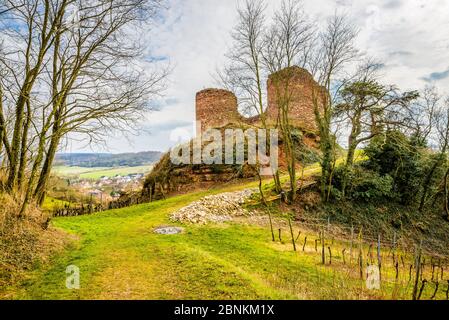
410,37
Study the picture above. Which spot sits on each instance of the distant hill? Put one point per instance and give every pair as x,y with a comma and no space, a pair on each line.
107,160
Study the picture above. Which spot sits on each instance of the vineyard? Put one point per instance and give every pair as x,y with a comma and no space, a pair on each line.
393,267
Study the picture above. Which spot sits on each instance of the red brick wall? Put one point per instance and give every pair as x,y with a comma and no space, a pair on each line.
296,88
216,108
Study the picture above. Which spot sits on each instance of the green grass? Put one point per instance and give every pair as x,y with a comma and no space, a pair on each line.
120,257
52,203
96,173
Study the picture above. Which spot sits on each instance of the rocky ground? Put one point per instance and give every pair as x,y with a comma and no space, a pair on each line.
216,208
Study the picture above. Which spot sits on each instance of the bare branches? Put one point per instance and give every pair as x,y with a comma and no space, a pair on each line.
337,47
244,73
289,40
76,67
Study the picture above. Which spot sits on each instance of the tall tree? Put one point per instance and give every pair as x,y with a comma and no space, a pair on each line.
334,49
440,161
82,75
357,101
287,44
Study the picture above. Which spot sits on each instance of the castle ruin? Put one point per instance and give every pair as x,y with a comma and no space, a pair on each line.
216,108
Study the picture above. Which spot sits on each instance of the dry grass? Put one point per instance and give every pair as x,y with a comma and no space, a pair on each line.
24,242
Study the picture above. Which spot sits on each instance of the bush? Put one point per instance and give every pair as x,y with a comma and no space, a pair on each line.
364,185
396,155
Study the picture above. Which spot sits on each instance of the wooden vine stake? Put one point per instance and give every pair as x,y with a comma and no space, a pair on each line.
323,254
379,258
361,254
291,232
418,271
351,245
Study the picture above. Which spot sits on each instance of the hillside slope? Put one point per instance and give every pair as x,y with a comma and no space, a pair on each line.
120,257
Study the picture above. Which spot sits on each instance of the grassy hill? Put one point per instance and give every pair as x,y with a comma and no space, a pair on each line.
120,257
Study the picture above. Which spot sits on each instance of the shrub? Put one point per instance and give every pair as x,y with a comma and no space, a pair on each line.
364,185
396,155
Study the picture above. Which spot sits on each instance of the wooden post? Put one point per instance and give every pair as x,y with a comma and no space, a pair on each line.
397,270
423,284
280,238
361,253
343,255
418,271
330,255
351,245
423,265
316,245
323,255
379,258
410,273
291,232
297,237
394,247
305,242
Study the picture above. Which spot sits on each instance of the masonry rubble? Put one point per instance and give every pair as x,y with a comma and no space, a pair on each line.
215,208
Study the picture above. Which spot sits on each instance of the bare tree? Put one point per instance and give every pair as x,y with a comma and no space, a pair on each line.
289,40
287,43
422,115
335,48
80,62
441,121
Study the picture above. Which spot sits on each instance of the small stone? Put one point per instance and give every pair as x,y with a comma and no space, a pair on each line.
168,230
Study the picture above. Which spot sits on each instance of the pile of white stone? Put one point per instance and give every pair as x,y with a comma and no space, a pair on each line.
216,208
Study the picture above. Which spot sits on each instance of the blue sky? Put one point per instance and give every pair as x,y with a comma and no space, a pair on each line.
411,37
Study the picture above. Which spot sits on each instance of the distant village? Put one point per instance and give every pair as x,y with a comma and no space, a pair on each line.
108,188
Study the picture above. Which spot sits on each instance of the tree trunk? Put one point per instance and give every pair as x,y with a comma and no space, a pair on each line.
446,194
428,180
348,167
34,170
39,193
23,152
19,123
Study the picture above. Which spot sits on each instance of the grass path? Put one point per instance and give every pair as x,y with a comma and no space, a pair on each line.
120,257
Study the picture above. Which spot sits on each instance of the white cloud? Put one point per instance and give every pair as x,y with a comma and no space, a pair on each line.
410,36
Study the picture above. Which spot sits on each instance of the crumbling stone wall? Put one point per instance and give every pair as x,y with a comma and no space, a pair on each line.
296,87
217,107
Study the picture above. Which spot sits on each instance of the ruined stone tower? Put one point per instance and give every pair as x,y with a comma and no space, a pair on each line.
217,107
296,87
